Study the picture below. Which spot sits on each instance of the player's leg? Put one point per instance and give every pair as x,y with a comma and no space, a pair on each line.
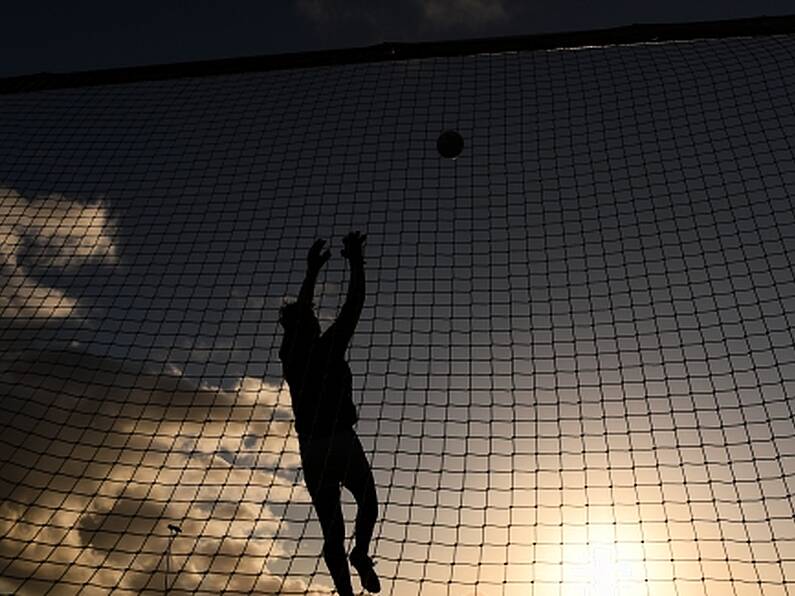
358,479
329,512
323,485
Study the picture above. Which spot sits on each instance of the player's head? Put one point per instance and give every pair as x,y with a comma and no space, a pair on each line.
300,319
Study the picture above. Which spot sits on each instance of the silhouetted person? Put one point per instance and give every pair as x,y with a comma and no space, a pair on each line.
321,388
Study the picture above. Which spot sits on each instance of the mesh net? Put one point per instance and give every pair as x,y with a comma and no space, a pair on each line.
574,369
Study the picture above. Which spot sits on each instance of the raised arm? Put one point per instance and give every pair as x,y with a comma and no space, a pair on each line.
354,252
314,262
343,328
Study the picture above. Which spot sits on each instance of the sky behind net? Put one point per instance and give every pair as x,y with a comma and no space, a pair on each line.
575,366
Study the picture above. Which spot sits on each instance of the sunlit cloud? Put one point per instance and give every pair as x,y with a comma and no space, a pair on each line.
93,502
48,233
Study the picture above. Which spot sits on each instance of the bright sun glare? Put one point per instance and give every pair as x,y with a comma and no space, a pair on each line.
603,569
606,572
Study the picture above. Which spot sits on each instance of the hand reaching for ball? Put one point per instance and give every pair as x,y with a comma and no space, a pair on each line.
316,259
354,245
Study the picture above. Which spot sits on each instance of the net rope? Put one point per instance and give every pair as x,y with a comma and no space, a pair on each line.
575,365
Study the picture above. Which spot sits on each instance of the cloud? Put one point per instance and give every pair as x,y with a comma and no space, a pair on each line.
324,11
44,234
401,21
102,456
448,13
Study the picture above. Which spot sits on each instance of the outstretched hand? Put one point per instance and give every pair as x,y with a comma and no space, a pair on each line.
316,258
354,245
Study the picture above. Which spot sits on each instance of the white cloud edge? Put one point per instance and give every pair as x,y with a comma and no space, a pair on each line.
67,234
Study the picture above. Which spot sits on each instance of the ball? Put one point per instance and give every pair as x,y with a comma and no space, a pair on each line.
450,144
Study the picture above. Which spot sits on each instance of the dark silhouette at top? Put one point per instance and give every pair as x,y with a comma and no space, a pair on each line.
321,388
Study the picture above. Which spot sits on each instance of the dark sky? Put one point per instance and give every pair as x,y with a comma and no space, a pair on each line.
67,36
575,365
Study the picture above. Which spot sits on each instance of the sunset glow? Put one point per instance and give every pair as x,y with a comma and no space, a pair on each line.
573,371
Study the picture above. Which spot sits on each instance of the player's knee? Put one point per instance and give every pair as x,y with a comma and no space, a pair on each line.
333,530
334,552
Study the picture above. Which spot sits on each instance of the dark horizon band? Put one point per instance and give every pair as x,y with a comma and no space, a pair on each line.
390,51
